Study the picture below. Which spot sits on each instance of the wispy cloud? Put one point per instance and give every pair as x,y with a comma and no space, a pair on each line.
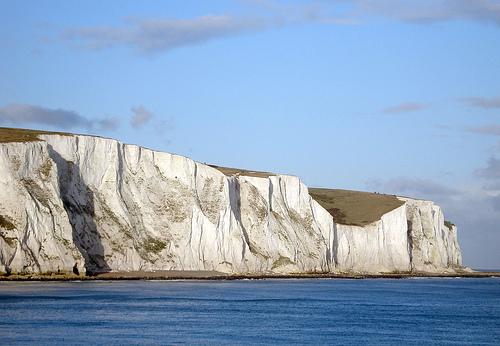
405,107
428,11
423,188
421,11
488,130
159,35
482,102
107,124
162,35
491,175
319,11
25,114
491,171
493,130
141,116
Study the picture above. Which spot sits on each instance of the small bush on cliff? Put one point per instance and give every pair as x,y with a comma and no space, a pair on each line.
449,224
6,224
154,245
45,168
282,261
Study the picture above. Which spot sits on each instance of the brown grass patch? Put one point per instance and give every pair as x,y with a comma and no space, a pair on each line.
10,135
355,207
237,171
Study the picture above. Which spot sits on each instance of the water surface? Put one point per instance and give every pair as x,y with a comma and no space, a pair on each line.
316,311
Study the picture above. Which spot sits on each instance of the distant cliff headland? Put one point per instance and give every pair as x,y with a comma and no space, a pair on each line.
83,205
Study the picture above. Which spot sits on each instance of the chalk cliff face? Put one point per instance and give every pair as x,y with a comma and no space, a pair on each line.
433,246
107,206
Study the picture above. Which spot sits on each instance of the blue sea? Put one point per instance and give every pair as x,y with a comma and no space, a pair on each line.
317,311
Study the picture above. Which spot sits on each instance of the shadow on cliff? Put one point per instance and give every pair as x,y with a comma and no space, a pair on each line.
235,203
78,201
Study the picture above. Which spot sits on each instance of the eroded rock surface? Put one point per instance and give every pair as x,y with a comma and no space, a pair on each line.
97,205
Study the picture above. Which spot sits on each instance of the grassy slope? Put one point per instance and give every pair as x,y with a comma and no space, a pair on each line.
346,207
236,171
354,207
8,135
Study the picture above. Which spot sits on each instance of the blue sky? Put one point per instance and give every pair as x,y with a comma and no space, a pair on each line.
390,95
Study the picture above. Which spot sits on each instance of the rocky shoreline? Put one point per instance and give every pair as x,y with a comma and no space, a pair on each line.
211,275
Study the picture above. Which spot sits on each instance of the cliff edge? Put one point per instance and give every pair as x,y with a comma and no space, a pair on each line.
72,203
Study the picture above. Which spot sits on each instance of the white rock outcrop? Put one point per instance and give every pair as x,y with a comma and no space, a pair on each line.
434,245
106,206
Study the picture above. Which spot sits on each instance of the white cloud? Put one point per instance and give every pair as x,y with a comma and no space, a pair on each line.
482,102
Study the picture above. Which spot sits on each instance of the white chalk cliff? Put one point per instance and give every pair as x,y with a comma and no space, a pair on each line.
108,206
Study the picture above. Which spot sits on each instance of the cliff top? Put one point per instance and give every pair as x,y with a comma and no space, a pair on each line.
355,208
9,135
347,207
238,171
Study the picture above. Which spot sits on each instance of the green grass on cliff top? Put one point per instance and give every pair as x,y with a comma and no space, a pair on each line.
10,135
346,207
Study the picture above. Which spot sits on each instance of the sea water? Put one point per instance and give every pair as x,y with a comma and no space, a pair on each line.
316,311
